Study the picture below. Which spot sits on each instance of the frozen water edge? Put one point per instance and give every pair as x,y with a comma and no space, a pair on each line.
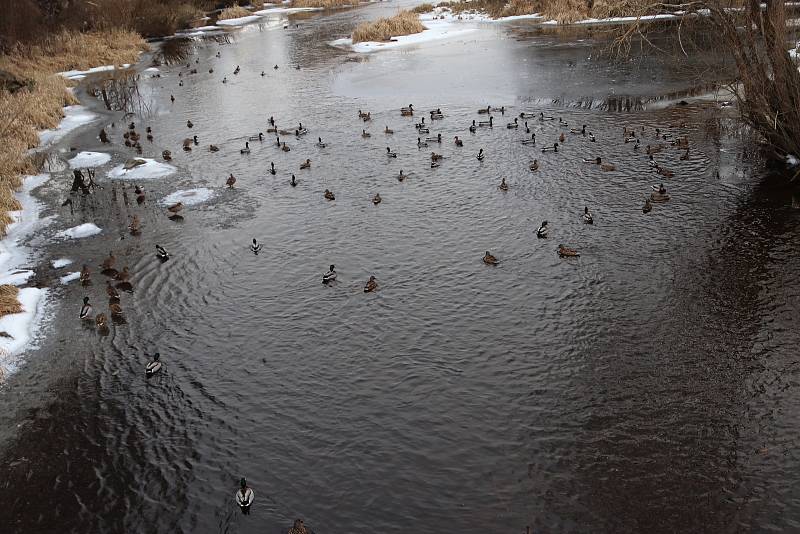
238,22
189,197
74,117
89,159
436,30
80,231
151,169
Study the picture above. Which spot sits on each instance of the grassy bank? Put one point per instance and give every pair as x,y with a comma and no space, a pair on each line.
324,4
39,104
563,11
234,12
404,23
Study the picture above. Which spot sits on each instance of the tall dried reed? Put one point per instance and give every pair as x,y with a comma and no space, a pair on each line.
404,23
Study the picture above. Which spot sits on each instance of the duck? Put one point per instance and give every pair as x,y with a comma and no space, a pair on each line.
685,155
424,131
665,172
542,231
421,124
421,143
435,164
503,185
489,123
329,195
293,183
255,247
436,157
562,138
651,162
587,216
330,276
659,194
542,117
576,131
189,124
175,208
285,147
166,155
377,199
407,111
553,148
458,141
480,155
187,144
605,166
388,131
648,206
246,149
591,137
86,309
367,117
272,170
389,153
531,141
512,125
563,123
134,226
534,166
116,309
123,275
86,276
110,261
161,253
320,144
100,320
566,252
365,134
473,127
371,285
401,176
300,132
153,366
437,139
245,495
527,129
125,286
213,148
306,164
259,137
488,259
230,181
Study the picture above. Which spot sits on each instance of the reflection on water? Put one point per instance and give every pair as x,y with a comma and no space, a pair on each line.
646,386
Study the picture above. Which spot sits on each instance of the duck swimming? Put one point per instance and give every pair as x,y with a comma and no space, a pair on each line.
458,141
480,155
86,309
421,143
542,231
488,259
329,195
587,217
246,149
189,124
293,183
272,170
330,276
388,131
371,285
245,495
161,253
566,252
255,247
553,148
648,206
389,153
305,165
320,144
401,176
230,181
531,141
377,199
473,127
534,166
562,138
365,134
213,148
503,185
153,366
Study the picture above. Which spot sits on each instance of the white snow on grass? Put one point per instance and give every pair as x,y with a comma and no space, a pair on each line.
189,197
241,21
81,74
21,327
436,30
89,159
278,10
149,170
80,231
74,117
26,221
62,262
67,278
16,278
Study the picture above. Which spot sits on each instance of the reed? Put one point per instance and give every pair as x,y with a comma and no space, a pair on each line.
233,12
8,300
404,23
325,4
423,8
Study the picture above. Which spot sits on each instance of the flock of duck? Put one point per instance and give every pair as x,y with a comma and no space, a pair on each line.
119,280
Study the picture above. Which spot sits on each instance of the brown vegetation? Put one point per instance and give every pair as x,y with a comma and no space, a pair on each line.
325,4
234,12
8,300
563,11
404,23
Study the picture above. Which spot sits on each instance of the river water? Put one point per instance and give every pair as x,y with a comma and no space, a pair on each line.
647,386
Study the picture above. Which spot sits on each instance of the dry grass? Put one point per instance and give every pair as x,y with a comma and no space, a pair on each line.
233,12
404,23
563,11
423,8
8,300
325,4
40,106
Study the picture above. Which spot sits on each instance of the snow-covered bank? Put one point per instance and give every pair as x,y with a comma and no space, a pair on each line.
81,74
148,170
21,327
238,22
80,231
188,197
444,14
89,159
617,20
286,10
437,30
74,117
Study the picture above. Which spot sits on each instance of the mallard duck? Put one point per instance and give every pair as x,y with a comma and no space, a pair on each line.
133,227
100,320
420,124
175,208
421,143
125,286
255,247
187,144
320,144
659,194
213,148
562,138
648,206
371,285
389,153
306,164
259,137
473,127
665,172
86,309
166,155
272,170
329,195
407,111
604,166
86,276
534,166
566,252
531,141
488,259
512,125
542,231
423,131
236,70
153,366
591,137
377,199
330,276
365,134
480,155
116,309
123,275
285,148
435,164
230,181
437,139
553,148
293,183
488,124
654,149
542,117
110,261
190,124
388,131
562,123
401,176
458,141
436,157
587,217
161,253
503,185
246,149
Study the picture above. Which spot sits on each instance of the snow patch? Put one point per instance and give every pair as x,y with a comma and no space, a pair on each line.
16,278
241,21
614,20
149,170
63,262
89,159
189,197
437,30
276,10
792,161
80,231
20,326
66,279
74,117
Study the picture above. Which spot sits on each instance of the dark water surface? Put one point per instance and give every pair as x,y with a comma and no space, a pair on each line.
648,386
